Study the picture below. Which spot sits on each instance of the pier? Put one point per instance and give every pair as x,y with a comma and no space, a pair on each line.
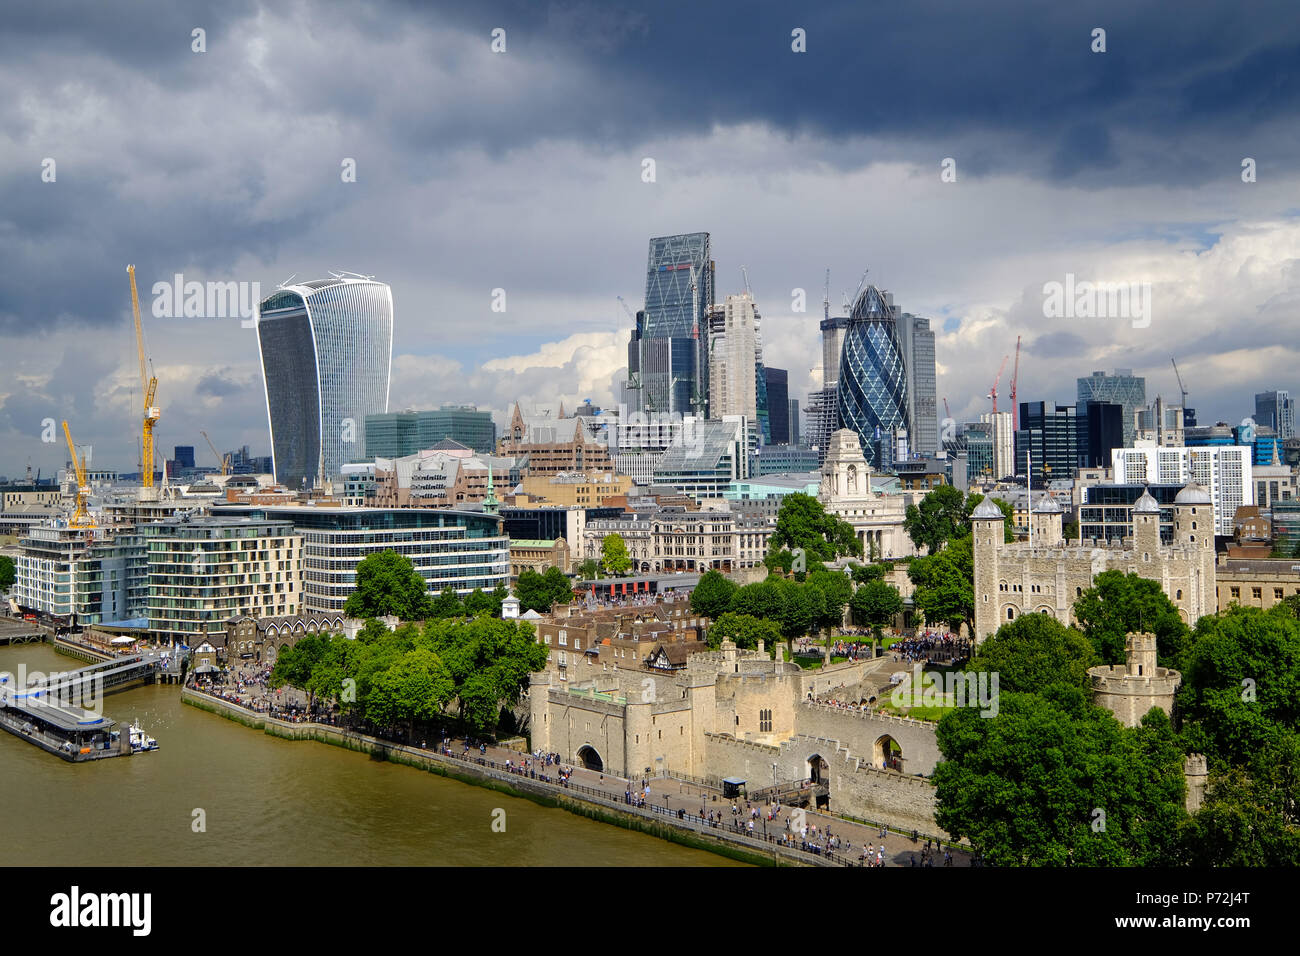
49,710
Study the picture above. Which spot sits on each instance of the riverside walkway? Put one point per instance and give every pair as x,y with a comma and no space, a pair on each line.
686,806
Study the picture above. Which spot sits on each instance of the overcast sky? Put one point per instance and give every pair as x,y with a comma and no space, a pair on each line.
523,170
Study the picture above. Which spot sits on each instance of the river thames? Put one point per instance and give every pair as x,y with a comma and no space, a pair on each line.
268,801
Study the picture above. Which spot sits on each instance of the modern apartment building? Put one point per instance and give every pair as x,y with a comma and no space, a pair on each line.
85,577
204,571
1224,470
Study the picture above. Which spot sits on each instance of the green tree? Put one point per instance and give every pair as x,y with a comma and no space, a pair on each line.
875,604
1241,682
1070,530
863,573
589,570
489,660
1024,786
1250,817
1120,603
296,665
744,630
413,689
945,585
447,604
7,573
836,590
540,591
940,517
387,583
712,596
613,554
764,599
476,602
803,607
1033,652
803,523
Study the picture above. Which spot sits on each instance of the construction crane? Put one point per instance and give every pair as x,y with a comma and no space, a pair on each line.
149,386
81,515
1015,374
946,413
625,308
744,271
1181,390
993,392
224,459
826,297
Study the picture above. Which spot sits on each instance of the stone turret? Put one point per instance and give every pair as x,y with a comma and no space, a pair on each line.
1131,689
539,692
1197,776
1046,521
987,529
1146,524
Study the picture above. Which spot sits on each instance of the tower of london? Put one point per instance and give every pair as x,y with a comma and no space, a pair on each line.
1046,574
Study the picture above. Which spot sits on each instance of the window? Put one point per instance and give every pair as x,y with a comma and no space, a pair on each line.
765,721
1235,592
1256,592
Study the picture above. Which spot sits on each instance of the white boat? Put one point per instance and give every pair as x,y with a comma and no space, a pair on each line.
140,741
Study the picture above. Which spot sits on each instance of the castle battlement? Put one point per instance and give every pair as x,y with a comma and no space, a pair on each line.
869,715
767,750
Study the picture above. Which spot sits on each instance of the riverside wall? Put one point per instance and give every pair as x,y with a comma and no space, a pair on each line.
588,804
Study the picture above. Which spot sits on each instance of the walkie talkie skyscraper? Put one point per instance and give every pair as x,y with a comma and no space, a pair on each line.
327,355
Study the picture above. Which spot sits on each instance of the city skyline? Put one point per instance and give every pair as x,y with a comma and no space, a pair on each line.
479,195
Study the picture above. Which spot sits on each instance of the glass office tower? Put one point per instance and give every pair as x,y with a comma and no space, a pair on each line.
872,394
673,364
327,353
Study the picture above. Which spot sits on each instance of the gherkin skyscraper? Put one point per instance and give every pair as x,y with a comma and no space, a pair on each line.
872,392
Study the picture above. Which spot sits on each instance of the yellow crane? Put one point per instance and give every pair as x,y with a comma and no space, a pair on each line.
224,459
81,516
149,386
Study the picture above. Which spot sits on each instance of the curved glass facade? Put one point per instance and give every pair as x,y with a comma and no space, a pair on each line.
872,391
327,349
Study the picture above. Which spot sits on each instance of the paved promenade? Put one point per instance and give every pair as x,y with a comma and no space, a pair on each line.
846,839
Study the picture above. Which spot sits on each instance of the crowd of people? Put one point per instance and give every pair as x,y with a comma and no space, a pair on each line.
932,647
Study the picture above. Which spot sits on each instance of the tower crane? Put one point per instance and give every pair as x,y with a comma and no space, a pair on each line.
224,459
1015,374
625,308
81,517
1181,390
149,387
993,392
946,413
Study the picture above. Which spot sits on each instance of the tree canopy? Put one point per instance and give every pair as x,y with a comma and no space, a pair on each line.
945,584
875,604
1053,780
1120,603
613,554
1033,652
802,523
7,573
412,674
387,584
744,630
713,594
540,591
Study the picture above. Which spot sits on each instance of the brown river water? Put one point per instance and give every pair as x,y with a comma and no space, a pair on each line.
267,801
